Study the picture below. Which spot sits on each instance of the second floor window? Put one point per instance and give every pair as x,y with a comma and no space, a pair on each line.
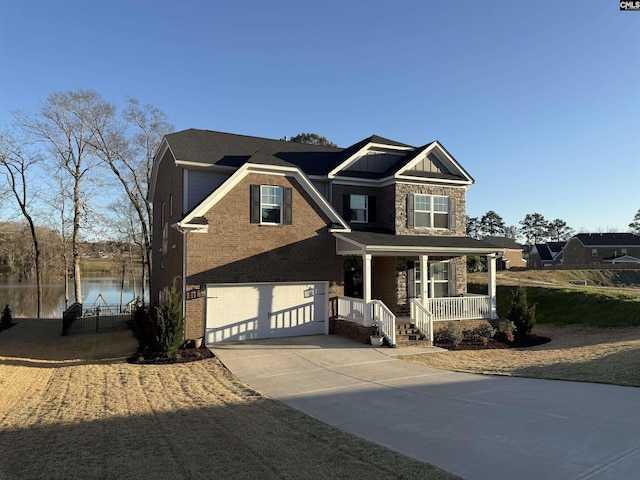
359,208
271,204
429,211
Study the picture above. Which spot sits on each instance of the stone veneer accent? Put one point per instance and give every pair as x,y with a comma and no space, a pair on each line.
458,194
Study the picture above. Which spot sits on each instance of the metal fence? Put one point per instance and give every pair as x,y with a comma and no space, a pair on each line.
102,318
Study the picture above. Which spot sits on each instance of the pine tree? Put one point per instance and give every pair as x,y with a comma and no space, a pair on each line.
521,313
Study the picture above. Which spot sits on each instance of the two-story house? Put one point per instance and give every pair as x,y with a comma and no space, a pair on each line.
262,233
602,249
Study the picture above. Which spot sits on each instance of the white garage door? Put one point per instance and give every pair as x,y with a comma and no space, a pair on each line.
237,312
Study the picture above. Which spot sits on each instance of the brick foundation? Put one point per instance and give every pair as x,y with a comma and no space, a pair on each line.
352,331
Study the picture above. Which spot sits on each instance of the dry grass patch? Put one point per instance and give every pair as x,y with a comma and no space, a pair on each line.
72,408
576,353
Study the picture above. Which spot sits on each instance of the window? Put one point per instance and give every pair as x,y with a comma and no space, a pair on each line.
437,279
428,211
623,251
594,252
358,207
271,204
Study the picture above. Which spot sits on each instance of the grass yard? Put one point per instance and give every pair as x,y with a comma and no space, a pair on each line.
594,329
71,408
576,353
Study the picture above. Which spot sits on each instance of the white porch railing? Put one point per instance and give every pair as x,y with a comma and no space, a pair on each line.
352,309
422,318
384,319
459,308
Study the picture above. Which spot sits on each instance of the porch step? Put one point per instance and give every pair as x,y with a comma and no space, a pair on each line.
408,335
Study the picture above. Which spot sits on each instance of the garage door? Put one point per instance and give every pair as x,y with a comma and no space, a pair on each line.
237,312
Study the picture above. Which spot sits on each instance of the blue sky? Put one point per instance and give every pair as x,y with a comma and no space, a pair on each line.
538,100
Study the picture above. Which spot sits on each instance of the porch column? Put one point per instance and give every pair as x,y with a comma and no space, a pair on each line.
424,275
491,284
366,287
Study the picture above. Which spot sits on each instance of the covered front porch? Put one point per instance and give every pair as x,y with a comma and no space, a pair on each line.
413,279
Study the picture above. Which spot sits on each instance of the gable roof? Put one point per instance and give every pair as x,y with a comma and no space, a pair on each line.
549,251
208,148
193,220
608,239
544,251
622,259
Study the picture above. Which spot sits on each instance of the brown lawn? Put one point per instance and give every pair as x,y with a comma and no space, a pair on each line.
72,408
578,353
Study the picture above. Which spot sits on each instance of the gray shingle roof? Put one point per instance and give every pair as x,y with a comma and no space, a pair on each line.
434,241
608,239
233,150
503,242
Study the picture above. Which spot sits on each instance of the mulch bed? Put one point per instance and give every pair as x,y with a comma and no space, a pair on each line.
184,355
498,342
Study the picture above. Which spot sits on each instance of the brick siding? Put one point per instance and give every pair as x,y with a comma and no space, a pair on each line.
166,255
237,251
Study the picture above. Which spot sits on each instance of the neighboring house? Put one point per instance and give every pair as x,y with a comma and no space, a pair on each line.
546,254
602,248
513,252
260,233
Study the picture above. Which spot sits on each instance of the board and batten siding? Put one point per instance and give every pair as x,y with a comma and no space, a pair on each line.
199,185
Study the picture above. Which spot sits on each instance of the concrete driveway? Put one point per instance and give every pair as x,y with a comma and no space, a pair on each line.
476,426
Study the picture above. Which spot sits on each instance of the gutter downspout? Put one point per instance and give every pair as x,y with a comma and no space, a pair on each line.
184,284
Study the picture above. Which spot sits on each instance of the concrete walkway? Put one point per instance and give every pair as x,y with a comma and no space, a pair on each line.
478,427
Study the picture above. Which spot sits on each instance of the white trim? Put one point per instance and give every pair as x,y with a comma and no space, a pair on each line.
394,250
357,250
394,179
207,204
439,181
357,155
185,227
449,159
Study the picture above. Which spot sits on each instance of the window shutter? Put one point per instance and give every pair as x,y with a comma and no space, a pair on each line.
411,279
372,208
346,207
288,206
410,209
452,213
255,204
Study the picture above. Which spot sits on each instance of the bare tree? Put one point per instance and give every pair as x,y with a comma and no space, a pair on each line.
17,161
59,200
67,123
128,148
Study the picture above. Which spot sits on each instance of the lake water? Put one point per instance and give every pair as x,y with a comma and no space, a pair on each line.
22,296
